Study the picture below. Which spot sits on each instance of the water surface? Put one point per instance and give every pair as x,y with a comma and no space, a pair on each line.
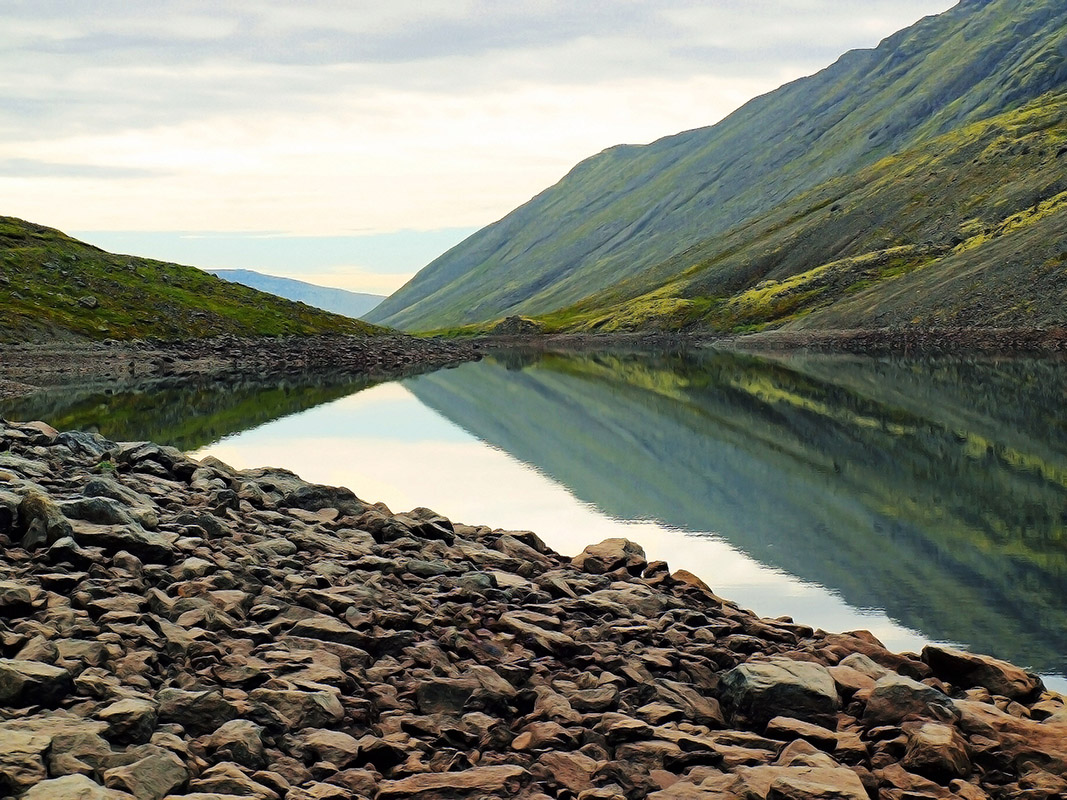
922,500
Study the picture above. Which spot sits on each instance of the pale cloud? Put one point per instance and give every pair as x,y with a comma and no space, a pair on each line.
330,117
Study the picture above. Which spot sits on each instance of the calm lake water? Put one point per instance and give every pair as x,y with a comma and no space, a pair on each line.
923,500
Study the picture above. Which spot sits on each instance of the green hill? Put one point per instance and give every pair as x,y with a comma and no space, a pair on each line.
54,286
641,216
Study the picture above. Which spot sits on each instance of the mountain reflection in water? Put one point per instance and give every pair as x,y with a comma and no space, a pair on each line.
935,490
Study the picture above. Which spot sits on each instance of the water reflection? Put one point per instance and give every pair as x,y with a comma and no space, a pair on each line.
832,488
933,490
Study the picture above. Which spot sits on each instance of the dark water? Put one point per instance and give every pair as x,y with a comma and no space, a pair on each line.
932,493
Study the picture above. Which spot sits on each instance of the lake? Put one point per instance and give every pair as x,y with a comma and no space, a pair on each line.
920,499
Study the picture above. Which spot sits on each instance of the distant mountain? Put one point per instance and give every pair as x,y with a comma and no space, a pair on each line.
673,233
339,301
52,285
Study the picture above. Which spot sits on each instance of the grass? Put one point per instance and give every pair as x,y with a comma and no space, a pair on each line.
53,285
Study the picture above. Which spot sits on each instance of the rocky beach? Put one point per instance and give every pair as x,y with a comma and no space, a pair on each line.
174,628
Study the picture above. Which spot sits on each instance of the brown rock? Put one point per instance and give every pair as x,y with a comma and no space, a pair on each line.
936,751
967,670
504,780
610,555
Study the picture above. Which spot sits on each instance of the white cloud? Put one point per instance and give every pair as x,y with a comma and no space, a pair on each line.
331,117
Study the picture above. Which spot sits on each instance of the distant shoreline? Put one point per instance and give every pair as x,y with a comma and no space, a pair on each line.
28,367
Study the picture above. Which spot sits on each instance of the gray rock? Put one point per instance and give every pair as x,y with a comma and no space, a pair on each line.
41,521
761,690
24,683
895,698
198,712
239,741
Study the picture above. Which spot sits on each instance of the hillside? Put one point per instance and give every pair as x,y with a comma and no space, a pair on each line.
968,229
633,209
52,285
338,301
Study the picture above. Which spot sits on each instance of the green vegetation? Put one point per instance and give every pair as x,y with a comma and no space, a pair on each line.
949,132
52,285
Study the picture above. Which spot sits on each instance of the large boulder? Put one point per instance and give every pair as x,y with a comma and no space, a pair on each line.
610,555
25,683
968,670
758,691
936,751
895,698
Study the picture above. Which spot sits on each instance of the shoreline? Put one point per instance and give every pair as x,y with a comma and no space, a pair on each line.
27,367
189,628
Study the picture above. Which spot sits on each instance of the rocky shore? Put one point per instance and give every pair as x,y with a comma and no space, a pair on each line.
25,368
173,628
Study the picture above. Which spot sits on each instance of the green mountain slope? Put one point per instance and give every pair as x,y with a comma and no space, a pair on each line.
969,228
338,301
54,286
629,209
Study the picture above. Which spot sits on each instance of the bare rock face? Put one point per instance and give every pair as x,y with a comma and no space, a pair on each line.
180,629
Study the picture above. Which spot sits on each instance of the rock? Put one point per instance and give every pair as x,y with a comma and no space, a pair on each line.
572,771
22,760
498,780
967,670
41,521
445,695
130,721
335,747
936,751
296,710
760,691
73,787
228,779
89,302
549,641
239,741
610,555
895,698
197,711
149,546
517,326
17,598
151,778
24,683
789,729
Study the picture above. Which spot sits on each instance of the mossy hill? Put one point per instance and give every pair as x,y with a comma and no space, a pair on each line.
52,285
667,234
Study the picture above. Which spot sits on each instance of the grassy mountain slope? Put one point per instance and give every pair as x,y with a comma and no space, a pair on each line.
337,301
629,209
54,286
969,228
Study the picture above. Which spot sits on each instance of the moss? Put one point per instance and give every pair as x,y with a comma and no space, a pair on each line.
46,276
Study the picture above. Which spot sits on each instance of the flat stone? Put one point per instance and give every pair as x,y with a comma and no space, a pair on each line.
504,779
73,787
151,778
130,721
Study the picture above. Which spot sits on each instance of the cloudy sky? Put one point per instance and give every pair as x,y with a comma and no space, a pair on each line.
349,142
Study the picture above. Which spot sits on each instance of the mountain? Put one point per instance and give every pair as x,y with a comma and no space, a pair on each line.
629,222
339,301
52,285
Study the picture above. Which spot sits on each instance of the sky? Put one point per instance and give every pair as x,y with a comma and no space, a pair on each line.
348,143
